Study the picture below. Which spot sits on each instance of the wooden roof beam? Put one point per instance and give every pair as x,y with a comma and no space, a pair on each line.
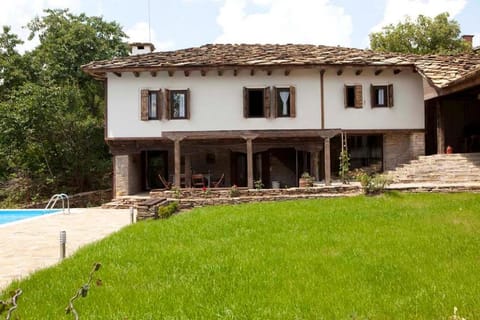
339,72
203,72
358,72
269,72
170,73
118,74
287,72
186,73
220,72
252,72
397,71
153,73
377,72
136,74
235,72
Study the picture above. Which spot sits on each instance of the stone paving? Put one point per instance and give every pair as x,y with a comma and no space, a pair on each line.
32,244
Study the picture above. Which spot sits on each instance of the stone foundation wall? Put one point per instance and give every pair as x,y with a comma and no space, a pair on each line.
127,174
401,147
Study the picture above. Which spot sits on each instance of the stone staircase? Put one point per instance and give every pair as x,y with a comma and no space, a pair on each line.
440,169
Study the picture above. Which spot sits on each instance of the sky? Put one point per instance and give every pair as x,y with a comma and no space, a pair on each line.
176,24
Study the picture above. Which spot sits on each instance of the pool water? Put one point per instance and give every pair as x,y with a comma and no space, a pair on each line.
12,215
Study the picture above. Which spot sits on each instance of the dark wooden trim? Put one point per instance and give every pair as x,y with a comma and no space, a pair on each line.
252,72
118,74
377,72
396,71
380,131
322,98
358,72
227,134
339,72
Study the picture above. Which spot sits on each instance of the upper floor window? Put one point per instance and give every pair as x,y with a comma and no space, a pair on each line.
382,96
151,104
178,104
353,96
284,105
256,102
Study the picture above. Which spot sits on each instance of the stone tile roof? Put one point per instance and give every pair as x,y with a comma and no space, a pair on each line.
441,70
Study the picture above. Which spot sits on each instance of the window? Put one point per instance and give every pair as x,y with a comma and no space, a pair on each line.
353,96
382,96
178,104
366,152
150,104
256,102
284,105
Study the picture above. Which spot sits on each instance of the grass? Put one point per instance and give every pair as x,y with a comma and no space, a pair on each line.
396,256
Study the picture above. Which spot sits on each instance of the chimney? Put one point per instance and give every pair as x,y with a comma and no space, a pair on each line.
141,48
469,39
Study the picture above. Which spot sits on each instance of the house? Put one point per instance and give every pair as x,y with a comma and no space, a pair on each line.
261,112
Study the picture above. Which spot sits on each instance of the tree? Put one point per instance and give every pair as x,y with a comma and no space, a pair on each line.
423,36
68,41
51,113
13,66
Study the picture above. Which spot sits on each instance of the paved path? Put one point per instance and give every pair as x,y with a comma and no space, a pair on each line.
26,246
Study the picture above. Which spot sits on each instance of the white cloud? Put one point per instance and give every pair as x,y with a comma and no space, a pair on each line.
397,10
284,21
20,12
140,33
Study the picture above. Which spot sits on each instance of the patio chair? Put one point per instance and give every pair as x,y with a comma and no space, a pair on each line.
198,180
165,183
217,183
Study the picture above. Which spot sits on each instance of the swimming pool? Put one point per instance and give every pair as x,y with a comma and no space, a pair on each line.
12,215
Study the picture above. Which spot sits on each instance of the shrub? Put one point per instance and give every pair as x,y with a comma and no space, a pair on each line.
344,166
234,192
258,184
167,211
372,183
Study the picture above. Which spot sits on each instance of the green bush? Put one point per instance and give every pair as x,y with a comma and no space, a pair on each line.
167,211
372,183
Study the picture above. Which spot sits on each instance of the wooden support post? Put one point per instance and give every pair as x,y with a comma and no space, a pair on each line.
326,150
315,167
250,163
440,129
188,170
177,162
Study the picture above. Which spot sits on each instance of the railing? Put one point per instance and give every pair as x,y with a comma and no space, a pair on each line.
53,200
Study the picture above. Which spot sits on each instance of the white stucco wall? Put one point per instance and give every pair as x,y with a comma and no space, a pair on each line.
216,102
406,113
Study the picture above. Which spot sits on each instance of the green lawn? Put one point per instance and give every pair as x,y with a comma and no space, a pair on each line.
396,256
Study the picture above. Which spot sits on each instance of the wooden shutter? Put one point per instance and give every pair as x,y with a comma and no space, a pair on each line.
274,110
266,102
167,104
390,95
358,96
293,111
372,96
159,104
245,102
345,96
144,105
187,103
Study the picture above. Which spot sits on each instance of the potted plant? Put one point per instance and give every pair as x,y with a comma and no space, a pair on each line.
305,181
